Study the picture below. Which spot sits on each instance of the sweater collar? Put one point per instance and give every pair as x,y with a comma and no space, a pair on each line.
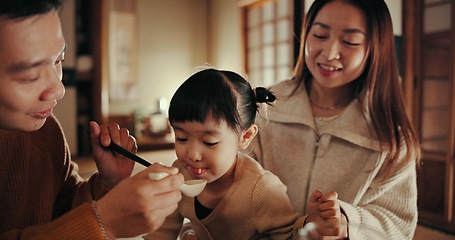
351,126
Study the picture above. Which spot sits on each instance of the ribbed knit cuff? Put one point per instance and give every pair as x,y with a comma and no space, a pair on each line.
354,220
79,223
297,226
98,189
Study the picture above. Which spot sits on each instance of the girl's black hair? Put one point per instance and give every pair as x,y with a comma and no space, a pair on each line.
225,95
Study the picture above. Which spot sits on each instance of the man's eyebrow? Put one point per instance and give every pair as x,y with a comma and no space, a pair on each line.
347,30
21,66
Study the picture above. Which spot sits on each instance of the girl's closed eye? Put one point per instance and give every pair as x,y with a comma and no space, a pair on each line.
211,144
181,139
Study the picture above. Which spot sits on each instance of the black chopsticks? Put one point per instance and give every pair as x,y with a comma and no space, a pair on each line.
116,148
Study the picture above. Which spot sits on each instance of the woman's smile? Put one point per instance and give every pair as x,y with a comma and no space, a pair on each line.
327,70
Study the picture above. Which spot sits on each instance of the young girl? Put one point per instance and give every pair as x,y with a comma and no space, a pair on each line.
343,124
213,114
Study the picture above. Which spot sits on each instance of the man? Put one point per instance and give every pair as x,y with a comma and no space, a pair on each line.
42,196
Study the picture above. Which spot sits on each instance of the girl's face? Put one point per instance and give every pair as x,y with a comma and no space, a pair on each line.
336,48
32,51
208,150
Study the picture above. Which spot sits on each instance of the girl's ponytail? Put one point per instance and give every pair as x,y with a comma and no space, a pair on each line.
264,95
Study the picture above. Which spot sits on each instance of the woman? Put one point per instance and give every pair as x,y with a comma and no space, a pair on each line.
340,124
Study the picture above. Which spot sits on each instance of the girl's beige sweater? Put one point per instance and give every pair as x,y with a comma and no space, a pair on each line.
255,207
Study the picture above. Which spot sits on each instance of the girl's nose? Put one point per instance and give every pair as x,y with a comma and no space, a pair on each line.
194,154
54,90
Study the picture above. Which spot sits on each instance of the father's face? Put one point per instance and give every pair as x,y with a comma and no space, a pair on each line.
31,55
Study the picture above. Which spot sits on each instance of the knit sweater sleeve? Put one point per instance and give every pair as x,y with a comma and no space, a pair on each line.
74,190
388,208
273,214
43,194
79,223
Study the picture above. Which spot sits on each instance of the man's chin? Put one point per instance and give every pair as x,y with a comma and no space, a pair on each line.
27,123
32,126
37,125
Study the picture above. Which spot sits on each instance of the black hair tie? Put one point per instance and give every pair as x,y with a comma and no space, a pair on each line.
263,95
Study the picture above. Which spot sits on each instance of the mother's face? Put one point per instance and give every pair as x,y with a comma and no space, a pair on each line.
336,48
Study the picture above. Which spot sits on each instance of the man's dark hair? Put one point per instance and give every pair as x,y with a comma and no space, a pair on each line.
24,8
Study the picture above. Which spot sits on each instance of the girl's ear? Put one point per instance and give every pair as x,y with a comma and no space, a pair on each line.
247,136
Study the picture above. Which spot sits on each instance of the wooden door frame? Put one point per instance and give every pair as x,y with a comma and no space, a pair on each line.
100,72
412,21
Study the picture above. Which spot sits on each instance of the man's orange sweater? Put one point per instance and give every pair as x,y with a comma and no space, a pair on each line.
41,194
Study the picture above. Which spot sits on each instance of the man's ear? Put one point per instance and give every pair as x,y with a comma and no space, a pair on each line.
247,136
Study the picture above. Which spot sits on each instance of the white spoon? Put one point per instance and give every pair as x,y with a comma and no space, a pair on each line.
189,188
